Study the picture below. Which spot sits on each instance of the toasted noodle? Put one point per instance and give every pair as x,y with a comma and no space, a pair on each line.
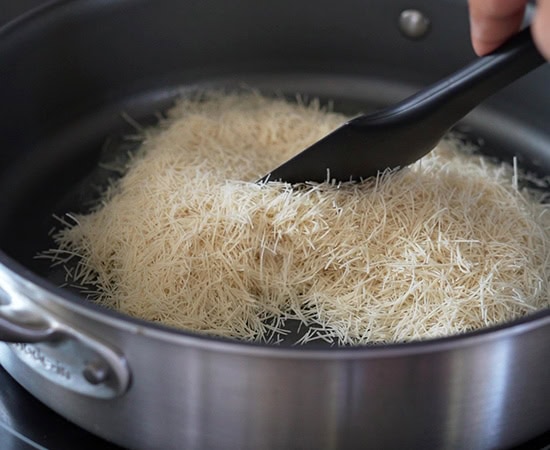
187,238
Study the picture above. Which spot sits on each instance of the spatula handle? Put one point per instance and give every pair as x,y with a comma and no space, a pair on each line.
449,100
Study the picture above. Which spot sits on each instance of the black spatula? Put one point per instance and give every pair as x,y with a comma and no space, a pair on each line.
401,134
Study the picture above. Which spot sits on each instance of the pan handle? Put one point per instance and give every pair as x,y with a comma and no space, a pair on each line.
14,329
54,350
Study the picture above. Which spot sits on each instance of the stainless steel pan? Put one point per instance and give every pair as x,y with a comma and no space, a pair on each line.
67,72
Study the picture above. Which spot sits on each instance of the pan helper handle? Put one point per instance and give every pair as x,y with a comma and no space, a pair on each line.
57,352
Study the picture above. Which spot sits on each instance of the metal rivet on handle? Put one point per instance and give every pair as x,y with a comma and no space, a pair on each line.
413,23
95,372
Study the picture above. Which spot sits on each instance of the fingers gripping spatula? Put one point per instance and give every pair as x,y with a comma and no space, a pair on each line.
401,134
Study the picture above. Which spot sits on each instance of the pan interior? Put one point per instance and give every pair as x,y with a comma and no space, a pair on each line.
69,171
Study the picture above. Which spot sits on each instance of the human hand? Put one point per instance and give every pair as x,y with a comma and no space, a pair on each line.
494,21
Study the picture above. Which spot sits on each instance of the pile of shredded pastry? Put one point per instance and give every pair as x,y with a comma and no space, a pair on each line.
188,239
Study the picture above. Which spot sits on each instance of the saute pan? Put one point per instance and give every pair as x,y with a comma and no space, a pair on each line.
72,71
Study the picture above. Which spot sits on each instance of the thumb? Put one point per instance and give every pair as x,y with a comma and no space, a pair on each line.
541,27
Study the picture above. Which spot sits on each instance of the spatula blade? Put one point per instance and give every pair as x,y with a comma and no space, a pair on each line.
352,152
